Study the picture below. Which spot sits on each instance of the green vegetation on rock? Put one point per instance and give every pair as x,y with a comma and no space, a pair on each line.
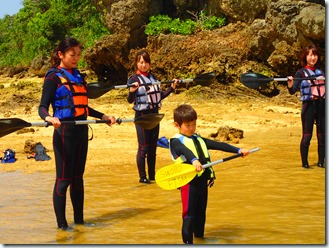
164,24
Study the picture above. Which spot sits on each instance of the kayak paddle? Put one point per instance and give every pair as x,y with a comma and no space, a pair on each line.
10,125
96,90
256,80
177,175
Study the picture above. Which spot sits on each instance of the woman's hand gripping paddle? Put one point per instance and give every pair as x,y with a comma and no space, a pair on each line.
96,90
256,80
10,125
177,175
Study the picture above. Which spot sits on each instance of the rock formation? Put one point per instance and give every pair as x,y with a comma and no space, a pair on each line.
264,35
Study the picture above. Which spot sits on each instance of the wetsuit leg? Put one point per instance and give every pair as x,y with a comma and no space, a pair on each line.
62,143
307,125
77,185
151,156
320,130
59,201
143,148
189,197
70,147
200,217
187,230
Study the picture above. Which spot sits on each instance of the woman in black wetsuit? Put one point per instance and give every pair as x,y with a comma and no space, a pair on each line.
146,99
65,89
312,95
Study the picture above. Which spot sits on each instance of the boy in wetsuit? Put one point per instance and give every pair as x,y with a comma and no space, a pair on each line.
189,147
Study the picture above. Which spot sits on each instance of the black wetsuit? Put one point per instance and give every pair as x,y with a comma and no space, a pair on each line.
147,139
70,143
195,194
313,112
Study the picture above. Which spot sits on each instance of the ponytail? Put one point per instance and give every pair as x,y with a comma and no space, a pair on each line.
54,59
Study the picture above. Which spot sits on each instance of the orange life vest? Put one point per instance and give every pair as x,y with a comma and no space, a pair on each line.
71,98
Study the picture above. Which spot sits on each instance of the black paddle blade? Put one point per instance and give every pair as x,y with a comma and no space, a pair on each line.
96,90
254,80
205,78
10,125
149,121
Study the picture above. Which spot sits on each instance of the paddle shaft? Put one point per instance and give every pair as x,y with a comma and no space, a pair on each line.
286,79
228,158
125,86
81,122
96,90
163,82
131,85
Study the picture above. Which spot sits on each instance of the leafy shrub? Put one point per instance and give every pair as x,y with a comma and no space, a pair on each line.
158,24
213,22
182,27
164,24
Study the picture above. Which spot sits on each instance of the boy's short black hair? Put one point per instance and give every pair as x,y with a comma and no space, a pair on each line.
184,113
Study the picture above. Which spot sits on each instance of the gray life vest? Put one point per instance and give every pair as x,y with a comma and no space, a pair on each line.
149,96
312,89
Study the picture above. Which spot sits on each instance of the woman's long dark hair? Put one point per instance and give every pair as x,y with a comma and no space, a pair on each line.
305,52
65,45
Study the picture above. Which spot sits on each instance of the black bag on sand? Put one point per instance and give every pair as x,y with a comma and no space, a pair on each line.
40,153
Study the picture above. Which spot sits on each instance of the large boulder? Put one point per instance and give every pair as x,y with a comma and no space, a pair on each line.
242,10
294,25
311,23
108,58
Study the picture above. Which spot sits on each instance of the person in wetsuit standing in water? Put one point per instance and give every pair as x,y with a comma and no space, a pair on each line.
147,100
312,95
65,89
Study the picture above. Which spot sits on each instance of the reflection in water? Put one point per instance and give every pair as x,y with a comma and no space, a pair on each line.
268,202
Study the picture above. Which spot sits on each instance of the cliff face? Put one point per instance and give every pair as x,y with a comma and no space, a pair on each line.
261,35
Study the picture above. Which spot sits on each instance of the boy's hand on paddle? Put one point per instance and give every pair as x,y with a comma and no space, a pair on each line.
111,119
54,121
244,152
198,166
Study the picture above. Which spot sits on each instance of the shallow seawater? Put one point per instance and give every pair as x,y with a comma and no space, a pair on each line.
265,198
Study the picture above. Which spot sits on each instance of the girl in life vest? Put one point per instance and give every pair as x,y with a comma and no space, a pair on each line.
191,148
312,95
66,91
147,98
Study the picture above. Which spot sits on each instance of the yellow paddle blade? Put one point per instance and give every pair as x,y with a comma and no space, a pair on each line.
175,176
